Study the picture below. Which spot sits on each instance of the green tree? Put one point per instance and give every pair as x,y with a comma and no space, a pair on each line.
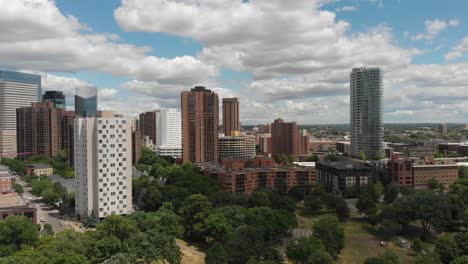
460,260
18,188
391,228
299,250
387,257
196,208
366,204
312,158
341,209
462,242
391,192
429,208
47,230
362,155
259,199
246,241
121,258
320,257
50,197
433,184
90,221
118,226
417,246
215,228
428,258
216,255
153,246
152,199
15,232
447,248
463,172
312,203
330,231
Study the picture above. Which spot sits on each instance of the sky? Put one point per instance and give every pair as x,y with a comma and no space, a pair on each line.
287,59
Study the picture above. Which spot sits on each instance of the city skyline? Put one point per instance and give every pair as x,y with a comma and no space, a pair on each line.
142,67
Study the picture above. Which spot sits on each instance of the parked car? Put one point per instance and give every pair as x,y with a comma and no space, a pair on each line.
42,219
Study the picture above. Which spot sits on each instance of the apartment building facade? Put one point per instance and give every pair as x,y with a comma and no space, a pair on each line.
103,166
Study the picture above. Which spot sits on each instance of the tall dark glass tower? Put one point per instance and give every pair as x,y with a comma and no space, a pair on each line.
86,102
367,130
57,97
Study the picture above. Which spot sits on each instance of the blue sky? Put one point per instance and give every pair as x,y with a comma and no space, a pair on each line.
283,59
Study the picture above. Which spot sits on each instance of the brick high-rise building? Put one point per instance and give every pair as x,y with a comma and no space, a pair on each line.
147,125
136,146
39,130
230,115
67,132
283,138
303,145
200,118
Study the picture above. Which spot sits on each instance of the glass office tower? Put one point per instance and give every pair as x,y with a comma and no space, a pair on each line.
55,96
86,101
367,130
17,90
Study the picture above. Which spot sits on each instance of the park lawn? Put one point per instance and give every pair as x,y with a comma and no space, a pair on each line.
360,244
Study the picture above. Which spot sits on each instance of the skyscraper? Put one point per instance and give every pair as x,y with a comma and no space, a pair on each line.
367,130
284,138
103,166
16,90
230,115
147,125
200,118
86,101
169,133
57,97
442,128
38,130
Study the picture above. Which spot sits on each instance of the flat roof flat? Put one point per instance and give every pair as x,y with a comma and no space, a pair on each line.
11,200
39,166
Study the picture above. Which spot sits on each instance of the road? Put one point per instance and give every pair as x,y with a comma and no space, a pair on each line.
51,217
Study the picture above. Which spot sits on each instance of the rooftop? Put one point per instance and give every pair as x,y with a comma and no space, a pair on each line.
4,172
11,200
39,166
343,165
305,164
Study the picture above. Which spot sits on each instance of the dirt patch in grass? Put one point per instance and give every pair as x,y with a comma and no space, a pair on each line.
190,254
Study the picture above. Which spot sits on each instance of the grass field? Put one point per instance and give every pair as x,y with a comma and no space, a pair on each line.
361,243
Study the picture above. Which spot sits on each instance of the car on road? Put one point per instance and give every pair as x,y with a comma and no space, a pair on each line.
62,223
42,219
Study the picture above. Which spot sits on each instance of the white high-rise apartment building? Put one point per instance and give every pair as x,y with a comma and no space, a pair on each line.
168,133
103,166
17,90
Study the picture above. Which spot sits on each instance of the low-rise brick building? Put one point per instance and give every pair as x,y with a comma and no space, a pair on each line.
247,180
418,172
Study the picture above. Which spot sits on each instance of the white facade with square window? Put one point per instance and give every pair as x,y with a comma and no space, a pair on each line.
169,133
103,166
